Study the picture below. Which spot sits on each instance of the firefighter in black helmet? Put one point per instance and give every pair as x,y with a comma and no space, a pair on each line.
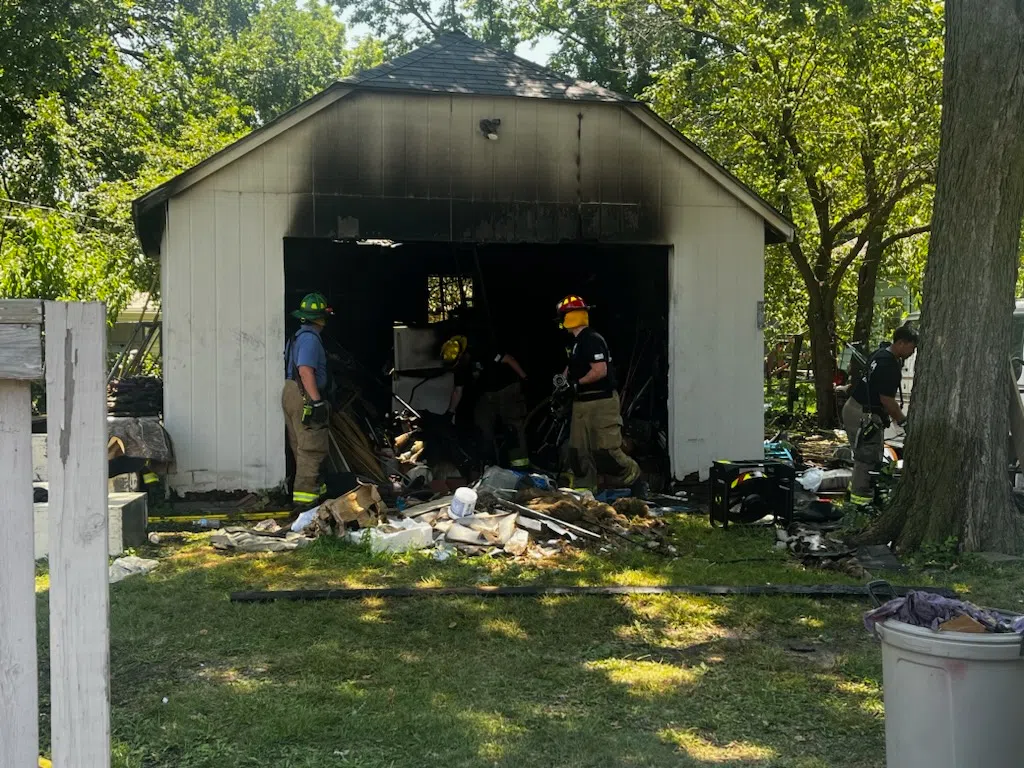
595,436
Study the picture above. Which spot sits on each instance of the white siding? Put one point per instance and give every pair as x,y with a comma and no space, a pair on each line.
716,273
223,262
223,283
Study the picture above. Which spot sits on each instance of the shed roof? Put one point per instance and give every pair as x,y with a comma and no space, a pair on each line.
455,64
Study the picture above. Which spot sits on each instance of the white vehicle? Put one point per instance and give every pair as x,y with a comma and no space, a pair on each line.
914,318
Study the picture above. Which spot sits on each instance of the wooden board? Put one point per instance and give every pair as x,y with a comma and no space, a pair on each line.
79,601
21,346
21,311
19,699
538,590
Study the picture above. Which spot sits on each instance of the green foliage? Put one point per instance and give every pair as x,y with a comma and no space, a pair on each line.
945,554
102,100
52,255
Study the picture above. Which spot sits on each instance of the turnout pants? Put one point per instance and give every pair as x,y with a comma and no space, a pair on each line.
509,406
308,444
867,455
595,444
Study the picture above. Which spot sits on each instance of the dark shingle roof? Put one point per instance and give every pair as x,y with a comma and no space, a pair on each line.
455,63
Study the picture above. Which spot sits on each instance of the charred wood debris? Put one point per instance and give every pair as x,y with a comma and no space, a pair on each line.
392,467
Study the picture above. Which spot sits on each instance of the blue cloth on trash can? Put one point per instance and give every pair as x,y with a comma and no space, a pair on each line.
926,609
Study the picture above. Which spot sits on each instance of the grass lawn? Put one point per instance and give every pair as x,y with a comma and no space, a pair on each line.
452,682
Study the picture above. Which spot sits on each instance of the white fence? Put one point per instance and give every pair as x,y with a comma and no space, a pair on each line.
75,343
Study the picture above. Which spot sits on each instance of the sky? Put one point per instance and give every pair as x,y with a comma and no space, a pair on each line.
539,51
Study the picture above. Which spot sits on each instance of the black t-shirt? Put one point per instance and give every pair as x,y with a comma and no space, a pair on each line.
883,378
590,347
483,370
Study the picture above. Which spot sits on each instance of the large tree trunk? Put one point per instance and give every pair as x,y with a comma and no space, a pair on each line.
956,482
821,322
867,283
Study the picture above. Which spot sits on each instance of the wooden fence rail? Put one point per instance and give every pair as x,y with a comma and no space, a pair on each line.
75,341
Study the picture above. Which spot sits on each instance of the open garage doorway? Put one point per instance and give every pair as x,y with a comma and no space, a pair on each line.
510,293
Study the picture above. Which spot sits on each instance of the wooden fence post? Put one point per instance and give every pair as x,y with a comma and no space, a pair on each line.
20,362
79,598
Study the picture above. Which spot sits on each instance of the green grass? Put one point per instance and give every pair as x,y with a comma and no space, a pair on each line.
452,682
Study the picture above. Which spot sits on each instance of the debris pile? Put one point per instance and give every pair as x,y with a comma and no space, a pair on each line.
942,614
135,396
524,520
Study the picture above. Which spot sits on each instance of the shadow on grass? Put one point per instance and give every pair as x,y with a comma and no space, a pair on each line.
639,681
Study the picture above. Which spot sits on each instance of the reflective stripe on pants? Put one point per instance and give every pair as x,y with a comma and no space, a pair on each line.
308,444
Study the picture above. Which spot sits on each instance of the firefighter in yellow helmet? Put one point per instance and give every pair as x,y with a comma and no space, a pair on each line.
497,382
595,434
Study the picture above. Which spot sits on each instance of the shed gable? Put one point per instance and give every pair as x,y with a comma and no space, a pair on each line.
418,167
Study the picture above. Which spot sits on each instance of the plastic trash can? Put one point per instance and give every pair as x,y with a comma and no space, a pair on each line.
952,699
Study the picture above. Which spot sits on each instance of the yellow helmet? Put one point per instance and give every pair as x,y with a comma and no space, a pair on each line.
453,349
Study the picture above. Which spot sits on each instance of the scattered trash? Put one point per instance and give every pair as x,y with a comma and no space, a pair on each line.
939,613
403,535
267,526
498,479
237,539
362,507
518,543
443,551
123,567
207,523
464,502
305,519
165,700
811,479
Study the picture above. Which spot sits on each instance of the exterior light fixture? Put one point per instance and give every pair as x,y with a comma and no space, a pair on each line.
489,128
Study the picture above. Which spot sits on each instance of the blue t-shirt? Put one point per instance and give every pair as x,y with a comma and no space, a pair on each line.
307,349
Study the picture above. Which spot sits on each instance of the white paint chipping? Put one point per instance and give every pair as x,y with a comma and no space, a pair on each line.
79,600
19,698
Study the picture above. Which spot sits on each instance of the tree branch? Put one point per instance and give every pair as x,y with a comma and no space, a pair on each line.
877,219
848,219
803,265
904,235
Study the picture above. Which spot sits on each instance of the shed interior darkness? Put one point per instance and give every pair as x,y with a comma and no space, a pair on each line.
372,288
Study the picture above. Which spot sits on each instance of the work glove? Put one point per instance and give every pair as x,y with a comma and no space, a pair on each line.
314,414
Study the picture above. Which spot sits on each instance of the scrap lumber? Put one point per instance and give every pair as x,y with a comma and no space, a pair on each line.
538,590
354,447
511,505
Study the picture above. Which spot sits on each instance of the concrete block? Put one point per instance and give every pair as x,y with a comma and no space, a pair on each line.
128,515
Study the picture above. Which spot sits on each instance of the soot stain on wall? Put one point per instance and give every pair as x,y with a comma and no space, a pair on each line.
366,190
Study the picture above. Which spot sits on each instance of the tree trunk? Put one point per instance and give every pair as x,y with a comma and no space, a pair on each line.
794,366
867,282
956,483
821,321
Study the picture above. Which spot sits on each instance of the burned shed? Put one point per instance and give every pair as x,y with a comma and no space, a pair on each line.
457,162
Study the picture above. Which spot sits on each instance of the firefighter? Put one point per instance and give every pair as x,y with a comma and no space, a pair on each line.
872,407
304,400
595,434
497,380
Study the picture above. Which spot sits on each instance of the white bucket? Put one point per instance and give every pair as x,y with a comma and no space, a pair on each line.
464,502
952,699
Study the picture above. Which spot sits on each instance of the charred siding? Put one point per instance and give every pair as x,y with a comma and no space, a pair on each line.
419,168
